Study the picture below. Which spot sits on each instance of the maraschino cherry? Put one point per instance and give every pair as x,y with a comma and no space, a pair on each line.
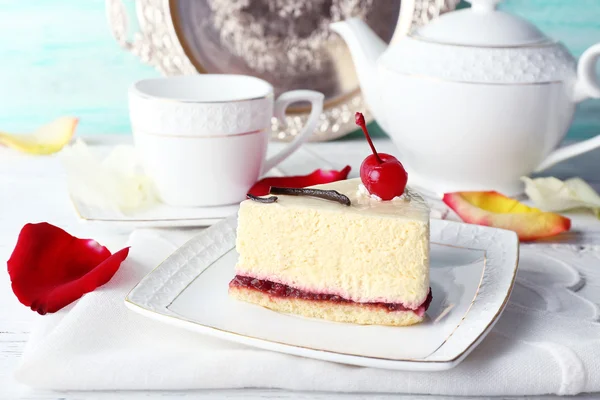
382,174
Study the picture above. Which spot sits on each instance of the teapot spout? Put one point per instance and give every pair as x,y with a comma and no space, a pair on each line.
365,47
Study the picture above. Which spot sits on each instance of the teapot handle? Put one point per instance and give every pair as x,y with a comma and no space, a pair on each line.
587,86
588,83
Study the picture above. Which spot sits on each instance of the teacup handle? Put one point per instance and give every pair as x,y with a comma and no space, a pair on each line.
281,104
587,86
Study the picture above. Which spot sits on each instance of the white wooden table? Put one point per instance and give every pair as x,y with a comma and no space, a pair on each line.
33,189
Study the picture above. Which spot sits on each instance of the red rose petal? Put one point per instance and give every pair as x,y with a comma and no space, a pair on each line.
50,268
318,177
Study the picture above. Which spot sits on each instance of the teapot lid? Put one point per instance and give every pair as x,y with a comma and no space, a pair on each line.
481,25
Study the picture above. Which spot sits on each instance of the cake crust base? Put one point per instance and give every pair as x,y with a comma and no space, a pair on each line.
338,312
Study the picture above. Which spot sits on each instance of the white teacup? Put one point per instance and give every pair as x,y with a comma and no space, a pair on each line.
203,138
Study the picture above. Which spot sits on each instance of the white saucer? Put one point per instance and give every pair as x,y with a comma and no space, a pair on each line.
158,215
473,270
161,215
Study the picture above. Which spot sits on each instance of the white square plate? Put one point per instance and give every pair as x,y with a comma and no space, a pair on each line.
473,269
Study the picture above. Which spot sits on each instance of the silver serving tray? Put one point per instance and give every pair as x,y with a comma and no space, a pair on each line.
286,42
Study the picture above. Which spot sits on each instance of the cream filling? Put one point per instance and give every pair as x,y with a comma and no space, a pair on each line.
372,251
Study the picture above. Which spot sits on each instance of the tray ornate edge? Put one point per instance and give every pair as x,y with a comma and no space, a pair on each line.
156,43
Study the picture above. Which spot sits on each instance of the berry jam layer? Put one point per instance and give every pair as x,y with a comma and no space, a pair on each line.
284,291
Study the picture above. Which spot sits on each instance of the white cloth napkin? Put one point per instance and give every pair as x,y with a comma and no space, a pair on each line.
547,341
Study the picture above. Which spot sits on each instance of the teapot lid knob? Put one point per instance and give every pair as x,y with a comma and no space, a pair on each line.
483,5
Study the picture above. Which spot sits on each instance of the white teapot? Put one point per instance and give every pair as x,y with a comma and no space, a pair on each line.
475,99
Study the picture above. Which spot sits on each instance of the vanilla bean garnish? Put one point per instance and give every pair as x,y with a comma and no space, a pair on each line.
266,200
332,195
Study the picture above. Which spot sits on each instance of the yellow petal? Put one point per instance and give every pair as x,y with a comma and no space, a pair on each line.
499,211
48,139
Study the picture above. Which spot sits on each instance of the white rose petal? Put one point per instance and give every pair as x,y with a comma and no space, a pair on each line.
115,183
552,194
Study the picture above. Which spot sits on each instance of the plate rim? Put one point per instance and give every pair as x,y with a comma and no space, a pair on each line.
164,314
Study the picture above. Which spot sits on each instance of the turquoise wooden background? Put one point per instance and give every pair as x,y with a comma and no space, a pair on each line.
58,58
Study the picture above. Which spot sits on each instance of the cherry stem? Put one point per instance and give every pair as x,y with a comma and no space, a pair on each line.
360,121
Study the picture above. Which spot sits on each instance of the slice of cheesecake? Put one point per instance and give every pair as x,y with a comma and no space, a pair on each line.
367,263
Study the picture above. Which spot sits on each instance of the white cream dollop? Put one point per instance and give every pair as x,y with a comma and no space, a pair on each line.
364,192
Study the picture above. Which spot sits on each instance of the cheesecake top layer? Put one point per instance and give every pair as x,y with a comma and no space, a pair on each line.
410,205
